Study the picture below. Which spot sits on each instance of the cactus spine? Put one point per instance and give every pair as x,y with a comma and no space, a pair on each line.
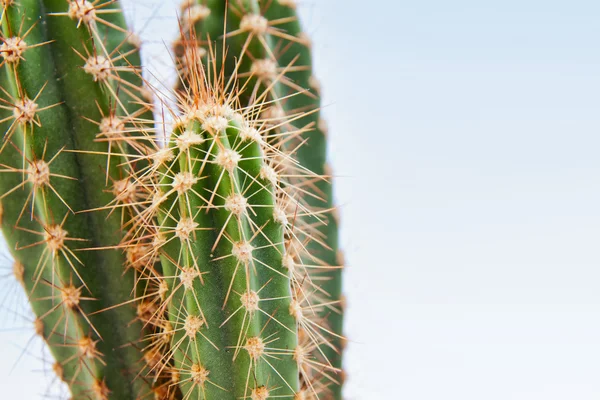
200,268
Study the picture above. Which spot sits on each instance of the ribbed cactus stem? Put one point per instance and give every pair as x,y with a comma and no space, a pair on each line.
203,267
221,248
313,156
276,68
58,77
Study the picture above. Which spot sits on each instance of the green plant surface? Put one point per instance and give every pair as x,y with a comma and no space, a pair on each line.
192,266
55,165
221,244
275,67
313,156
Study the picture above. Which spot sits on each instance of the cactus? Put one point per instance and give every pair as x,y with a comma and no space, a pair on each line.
276,61
198,265
221,244
59,84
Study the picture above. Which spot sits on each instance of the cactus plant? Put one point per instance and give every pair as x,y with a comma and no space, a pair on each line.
198,265
57,85
276,59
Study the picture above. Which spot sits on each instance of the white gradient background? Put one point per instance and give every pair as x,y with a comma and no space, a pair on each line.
465,135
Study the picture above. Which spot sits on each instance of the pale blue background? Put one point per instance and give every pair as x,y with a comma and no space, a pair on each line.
466,137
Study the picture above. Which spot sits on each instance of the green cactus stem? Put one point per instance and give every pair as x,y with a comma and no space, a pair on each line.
220,237
276,68
201,265
58,77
